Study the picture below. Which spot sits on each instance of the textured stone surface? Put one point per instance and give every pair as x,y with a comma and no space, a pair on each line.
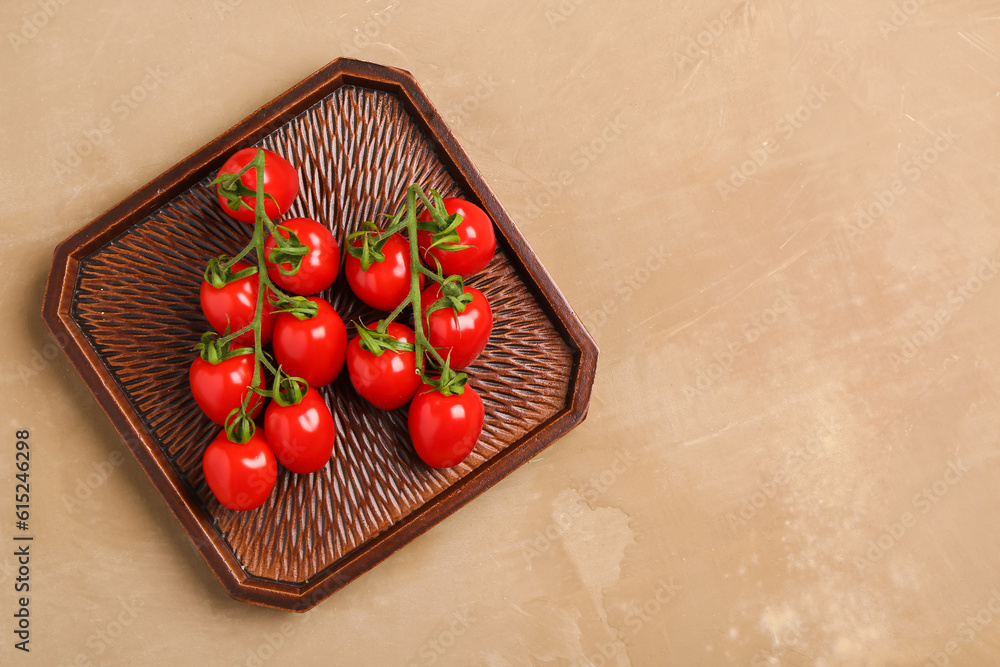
617,545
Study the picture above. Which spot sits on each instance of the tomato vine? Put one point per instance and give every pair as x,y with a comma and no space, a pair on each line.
433,236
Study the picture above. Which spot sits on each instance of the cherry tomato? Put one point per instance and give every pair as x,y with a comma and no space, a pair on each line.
318,269
389,380
475,231
312,349
220,388
281,181
301,435
385,284
464,335
234,305
240,476
445,429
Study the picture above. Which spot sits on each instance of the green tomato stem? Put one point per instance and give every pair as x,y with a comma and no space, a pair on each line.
425,201
421,343
262,228
385,322
231,262
258,243
436,277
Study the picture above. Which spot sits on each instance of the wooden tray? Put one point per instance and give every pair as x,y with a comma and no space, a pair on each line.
122,297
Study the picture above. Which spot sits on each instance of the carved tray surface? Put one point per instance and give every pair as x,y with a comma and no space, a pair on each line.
126,290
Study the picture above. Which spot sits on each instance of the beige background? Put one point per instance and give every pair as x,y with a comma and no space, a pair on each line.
791,455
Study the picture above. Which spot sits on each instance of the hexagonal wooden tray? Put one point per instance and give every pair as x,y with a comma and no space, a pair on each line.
123,292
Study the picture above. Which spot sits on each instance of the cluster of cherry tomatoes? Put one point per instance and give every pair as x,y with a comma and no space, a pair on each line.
269,294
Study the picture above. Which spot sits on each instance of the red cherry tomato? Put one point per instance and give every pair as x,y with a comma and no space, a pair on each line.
445,429
281,181
389,380
234,305
240,476
301,435
475,231
318,269
218,389
464,335
312,349
385,284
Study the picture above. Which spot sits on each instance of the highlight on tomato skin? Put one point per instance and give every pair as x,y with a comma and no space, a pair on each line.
301,435
318,269
232,307
314,348
445,429
388,381
218,389
281,181
240,476
385,284
460,336
475,231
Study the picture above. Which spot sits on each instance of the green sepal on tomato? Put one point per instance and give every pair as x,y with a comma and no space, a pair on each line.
445,428
387,378
221,387
385,283
463,249
237,198
459,336
317,268
240,475
312,348
301,434
232,305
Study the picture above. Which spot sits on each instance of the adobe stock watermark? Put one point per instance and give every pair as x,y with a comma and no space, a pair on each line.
922,502
885,197
121,108
34,21
87,484
40,359
592,491
699,46
458,113
456,624
562,12
901,14
784,130
626,288
271,644
917,340
370,29
579,161
768,490
638,616
105,638
751,330
967,631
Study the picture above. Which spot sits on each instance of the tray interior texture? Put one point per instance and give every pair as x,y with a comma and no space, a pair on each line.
359,135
